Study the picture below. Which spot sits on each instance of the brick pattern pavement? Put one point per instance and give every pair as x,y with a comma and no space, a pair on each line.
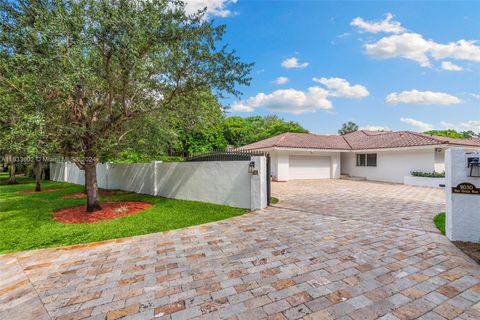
330,249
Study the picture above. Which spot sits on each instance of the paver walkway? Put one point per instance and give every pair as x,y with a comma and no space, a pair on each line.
330,249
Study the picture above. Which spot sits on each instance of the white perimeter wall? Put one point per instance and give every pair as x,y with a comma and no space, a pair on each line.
280,162
462,210
392,166
221,182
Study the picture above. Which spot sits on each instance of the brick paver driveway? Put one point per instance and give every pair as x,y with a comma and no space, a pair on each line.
329,249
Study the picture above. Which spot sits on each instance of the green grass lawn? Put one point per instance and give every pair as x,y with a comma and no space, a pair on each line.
439,221
26,219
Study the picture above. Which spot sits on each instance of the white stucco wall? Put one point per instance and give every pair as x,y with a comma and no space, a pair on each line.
462,210
439,158
392,166
135,177
73,174
221,182
57,171
424,181
281,162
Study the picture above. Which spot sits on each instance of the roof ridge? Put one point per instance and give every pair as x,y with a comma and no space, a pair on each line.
281,138
346,141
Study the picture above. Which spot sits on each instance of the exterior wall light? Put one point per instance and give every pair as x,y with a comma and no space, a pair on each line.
251,167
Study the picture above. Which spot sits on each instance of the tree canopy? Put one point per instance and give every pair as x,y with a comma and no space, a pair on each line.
240,131
450,133
348,127
107,63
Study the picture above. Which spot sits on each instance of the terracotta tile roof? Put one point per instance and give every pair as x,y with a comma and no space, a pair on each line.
358,140
301,140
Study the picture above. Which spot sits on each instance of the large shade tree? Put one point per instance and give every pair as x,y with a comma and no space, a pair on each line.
110,62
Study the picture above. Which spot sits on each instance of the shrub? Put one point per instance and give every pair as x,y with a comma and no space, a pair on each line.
432,174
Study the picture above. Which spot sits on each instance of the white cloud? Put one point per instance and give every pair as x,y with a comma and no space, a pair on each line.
293,63
341,88
450,66
287,100
297,101
418,124
386,25
461,50
375,128
408,45
217,8
343,35
422,97
281,80
415,47
473,125
475,95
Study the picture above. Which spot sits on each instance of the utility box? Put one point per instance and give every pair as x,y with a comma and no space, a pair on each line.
462,190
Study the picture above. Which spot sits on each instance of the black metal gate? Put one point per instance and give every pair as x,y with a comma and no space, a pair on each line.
237,155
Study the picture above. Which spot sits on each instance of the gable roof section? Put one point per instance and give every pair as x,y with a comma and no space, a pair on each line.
301,140
358,140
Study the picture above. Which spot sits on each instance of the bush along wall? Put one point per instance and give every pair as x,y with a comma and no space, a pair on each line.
432,174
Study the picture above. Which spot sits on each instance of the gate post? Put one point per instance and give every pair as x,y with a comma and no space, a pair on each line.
462,191
156,165
258,184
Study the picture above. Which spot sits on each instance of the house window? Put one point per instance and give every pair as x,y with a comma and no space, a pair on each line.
368,159
360,160
371,159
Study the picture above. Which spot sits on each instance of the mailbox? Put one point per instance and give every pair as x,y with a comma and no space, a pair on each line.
473,164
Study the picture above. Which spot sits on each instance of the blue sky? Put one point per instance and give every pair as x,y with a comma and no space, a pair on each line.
394,65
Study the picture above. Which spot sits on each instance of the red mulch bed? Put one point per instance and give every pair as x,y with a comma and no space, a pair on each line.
79,195
43,190
110,210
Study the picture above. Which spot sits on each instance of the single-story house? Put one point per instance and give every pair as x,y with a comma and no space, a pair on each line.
375,155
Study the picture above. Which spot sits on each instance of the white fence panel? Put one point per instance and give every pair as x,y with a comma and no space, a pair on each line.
224,182
221,182
57,171
136,177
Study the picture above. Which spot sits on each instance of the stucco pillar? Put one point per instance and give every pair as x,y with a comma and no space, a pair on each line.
462,210
156,165
258,184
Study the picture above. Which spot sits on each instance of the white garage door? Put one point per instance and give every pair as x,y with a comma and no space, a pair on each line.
309,167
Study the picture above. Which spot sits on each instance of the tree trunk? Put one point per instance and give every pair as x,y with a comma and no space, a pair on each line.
13,174
37,170
93,203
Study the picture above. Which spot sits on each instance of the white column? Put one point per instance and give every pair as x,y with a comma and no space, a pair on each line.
156,165
258,184
65,171
462,210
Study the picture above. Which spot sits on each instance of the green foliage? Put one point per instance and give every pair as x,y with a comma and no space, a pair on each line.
240,131
102,65
450,133
200,127
439,221
274,200
348,127
27,221
432,174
